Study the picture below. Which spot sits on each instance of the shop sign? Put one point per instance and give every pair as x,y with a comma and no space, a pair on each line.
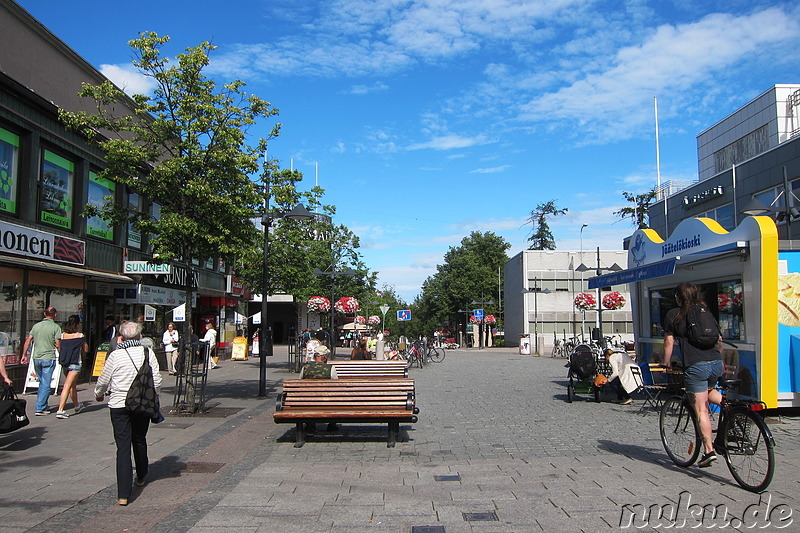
234,285
143,267
28,242
714,192
177,276
148,294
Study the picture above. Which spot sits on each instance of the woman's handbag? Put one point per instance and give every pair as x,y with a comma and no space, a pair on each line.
12,411
142,398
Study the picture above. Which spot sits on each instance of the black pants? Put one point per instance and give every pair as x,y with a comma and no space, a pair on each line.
130,431
622,394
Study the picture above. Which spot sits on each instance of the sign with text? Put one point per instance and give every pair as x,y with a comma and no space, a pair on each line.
35,244
143,267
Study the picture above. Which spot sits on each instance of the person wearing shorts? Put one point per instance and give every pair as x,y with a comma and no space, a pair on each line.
73,346
701,367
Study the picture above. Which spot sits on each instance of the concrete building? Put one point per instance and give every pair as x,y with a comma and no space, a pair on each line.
752,154
539,294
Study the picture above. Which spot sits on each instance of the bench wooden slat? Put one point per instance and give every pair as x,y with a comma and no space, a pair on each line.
369,399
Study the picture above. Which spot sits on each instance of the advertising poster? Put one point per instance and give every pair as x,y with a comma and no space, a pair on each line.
9,150
99,189
57,181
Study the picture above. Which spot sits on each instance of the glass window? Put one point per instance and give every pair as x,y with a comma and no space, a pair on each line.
9,161
57,188
134,236
155,212
724,299
725,216
99,190
10,315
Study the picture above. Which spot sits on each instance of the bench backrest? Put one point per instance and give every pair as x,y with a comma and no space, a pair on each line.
335,394
364,369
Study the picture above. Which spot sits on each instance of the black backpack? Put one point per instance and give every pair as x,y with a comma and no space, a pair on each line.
702,330
142,398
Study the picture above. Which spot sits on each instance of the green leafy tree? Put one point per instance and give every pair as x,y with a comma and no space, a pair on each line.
639,211
469,273
541,237
184,147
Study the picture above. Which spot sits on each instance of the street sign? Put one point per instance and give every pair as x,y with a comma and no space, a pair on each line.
384,309
478,314
404,315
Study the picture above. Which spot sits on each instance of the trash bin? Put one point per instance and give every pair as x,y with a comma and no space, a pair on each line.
525,344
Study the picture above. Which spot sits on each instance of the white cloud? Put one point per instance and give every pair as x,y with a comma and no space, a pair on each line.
366,89
492,170
449,142
616,101
127,78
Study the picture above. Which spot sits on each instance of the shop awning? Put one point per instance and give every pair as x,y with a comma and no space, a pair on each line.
663,268
92,275
654,270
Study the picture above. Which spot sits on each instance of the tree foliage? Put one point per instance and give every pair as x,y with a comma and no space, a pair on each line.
470,272
541,238
639,212
185,148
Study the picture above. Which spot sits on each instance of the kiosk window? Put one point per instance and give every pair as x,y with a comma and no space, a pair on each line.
724,299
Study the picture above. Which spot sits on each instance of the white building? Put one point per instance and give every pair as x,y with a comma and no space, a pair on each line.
540,288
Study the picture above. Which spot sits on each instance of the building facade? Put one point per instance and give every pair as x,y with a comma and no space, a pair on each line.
50,254
752,154
539,293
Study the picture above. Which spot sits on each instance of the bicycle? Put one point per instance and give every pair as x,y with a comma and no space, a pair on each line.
742,436
434,354
412,355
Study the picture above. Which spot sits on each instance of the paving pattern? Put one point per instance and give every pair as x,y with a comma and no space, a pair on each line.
496,448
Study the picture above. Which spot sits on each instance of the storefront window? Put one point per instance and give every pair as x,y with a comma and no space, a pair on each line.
10,319
724,299
57,187
99,189
9,157
134,236
66,301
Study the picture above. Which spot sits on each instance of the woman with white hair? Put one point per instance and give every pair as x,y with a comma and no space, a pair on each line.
130,430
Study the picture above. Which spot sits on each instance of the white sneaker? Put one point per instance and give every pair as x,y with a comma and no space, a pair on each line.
61,414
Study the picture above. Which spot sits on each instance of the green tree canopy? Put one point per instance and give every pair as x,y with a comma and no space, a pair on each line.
470,272
541,237
185,148
639,211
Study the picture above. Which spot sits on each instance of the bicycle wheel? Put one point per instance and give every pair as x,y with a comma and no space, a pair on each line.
677,425
436,355
749,450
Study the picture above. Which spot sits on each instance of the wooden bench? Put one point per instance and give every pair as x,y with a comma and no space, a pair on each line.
370,369
376,400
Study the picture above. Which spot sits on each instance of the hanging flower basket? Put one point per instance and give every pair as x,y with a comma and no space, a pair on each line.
473,320
490,319
585,301
613,300
374,320
346,305
318,304
360,320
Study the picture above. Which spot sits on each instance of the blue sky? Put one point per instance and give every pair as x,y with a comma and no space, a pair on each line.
430,119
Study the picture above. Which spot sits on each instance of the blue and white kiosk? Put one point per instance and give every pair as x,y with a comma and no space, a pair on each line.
752,287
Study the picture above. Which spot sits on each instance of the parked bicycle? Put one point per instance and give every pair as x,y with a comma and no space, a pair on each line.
742,436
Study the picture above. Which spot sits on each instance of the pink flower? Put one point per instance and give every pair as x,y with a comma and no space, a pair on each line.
346,305
613,300
374,320
318,304
490,319
360,320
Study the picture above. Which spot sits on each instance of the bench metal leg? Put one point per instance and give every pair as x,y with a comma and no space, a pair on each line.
300,434
393,429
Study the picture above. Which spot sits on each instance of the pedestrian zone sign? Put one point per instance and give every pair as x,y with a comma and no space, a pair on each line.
404,315
478,314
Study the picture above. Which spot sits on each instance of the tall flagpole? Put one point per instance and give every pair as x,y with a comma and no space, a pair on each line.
658,168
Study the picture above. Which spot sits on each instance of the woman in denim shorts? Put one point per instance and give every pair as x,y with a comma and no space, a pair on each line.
73,346
701,367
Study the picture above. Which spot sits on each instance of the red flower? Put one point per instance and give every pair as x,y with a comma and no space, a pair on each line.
613,300
585,301
318,304
347,305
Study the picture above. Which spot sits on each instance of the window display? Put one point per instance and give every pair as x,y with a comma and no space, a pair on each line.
724,299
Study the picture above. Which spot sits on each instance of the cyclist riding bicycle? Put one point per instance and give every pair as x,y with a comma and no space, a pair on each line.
702,365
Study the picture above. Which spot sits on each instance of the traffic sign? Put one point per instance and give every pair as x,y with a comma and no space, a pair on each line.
478,314
404,315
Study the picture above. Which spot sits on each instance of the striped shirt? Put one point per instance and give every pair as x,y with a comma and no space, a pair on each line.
119,372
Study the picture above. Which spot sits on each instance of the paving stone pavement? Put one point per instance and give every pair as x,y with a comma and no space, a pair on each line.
496,448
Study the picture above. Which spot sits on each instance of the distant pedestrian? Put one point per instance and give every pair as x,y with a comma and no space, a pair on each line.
210,339
46,339
130,430
170,340
73,346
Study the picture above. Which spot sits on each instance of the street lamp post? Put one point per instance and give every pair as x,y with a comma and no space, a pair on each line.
298,212
536,290
599,271
333,273
583,313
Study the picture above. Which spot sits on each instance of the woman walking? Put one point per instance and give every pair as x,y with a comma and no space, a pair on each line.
73,346
130,430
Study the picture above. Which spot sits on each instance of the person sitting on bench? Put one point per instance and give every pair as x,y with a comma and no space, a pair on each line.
319,368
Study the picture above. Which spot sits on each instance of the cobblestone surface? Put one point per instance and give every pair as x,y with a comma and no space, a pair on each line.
495,438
